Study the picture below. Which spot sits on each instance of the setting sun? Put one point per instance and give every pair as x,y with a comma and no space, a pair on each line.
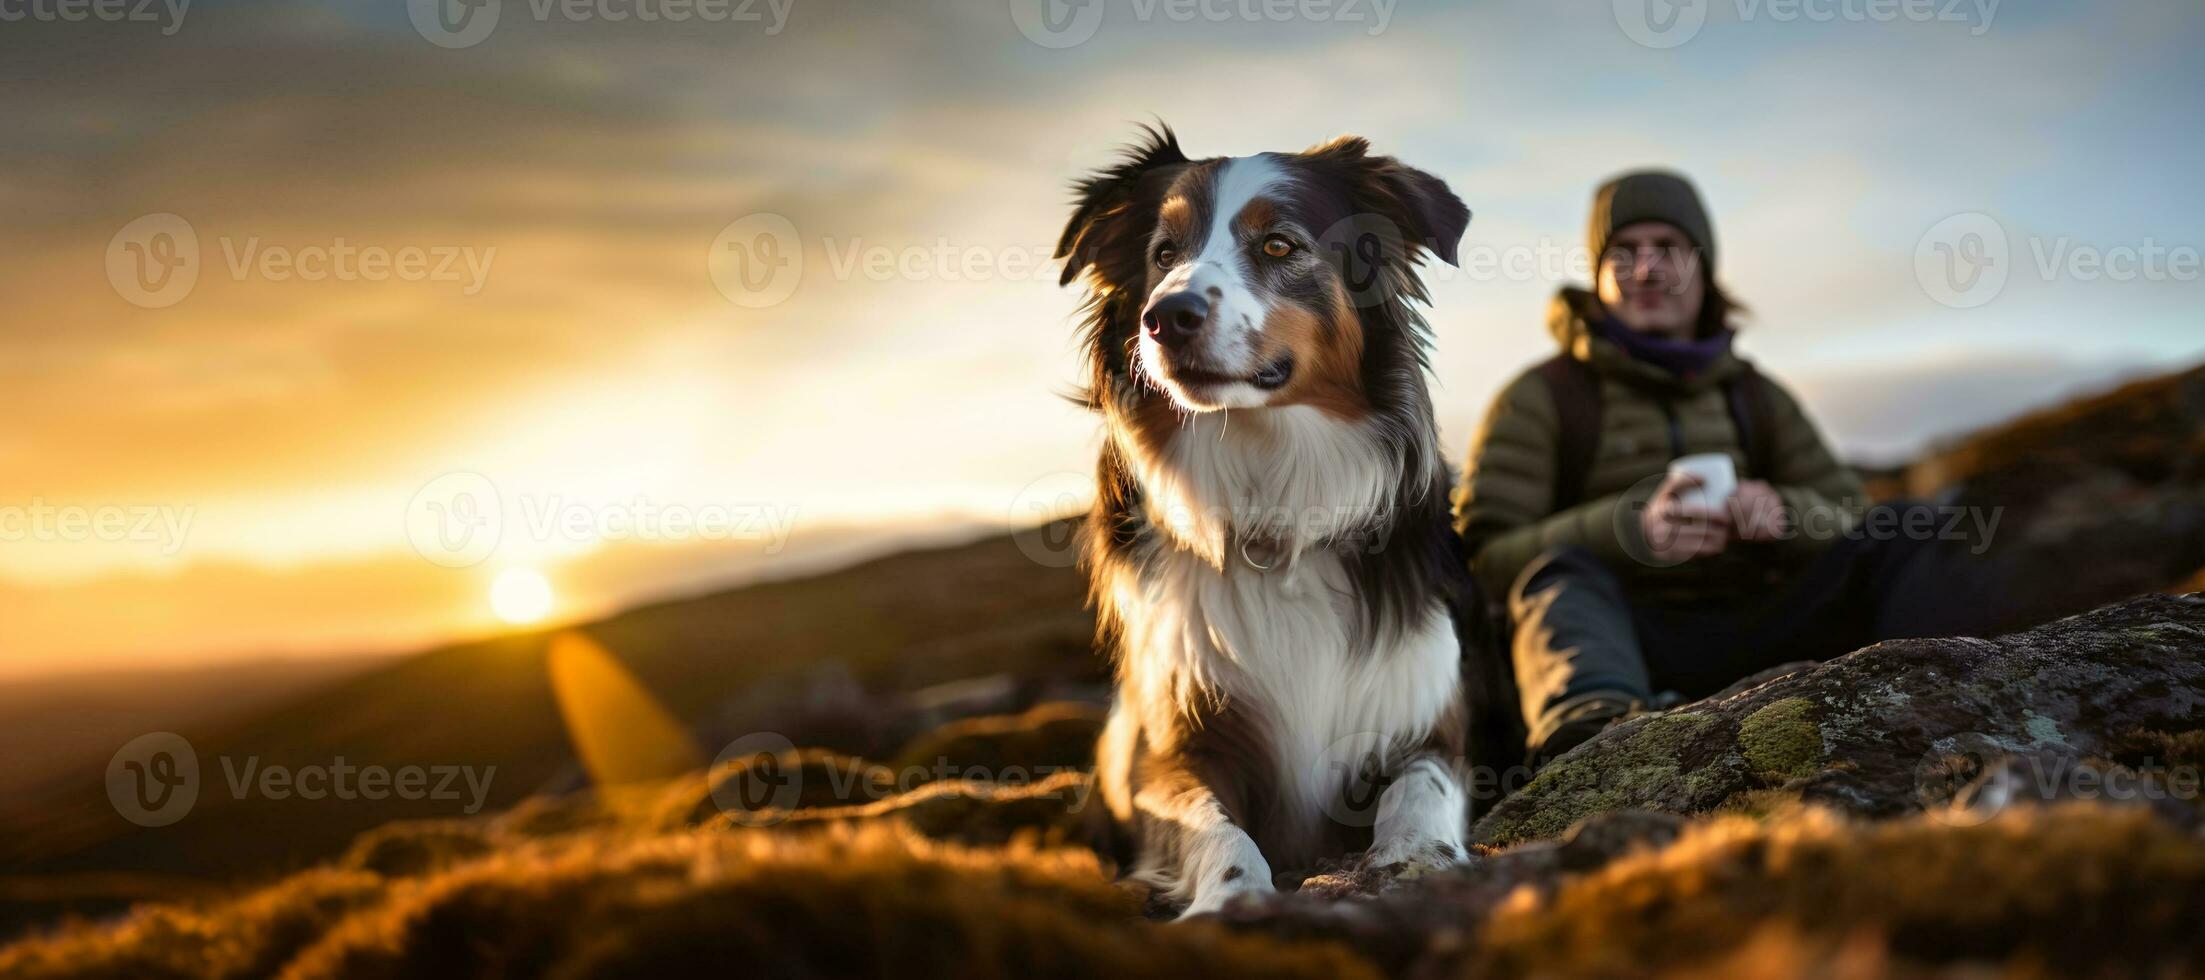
521,596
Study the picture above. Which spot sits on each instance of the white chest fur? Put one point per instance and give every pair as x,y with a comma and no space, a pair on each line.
1292,474
1276,643
1203,624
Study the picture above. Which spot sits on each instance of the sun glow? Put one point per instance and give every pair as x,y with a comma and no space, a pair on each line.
521,596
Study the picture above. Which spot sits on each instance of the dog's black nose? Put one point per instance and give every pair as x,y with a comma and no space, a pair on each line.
1176,318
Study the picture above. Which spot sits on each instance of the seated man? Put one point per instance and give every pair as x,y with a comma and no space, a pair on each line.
1621,591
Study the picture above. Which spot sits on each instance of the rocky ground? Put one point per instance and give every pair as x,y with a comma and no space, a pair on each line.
2024,805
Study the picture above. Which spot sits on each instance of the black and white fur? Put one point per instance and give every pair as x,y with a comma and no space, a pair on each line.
1270,552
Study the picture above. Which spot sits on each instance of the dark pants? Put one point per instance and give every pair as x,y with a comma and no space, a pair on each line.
1580,638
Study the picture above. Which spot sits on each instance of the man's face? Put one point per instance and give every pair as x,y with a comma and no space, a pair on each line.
1650,280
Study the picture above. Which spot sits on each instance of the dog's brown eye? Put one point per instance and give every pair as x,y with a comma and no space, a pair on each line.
1278,247
1166,255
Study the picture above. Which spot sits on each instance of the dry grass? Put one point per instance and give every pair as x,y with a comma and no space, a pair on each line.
2071,890
253,936
872,900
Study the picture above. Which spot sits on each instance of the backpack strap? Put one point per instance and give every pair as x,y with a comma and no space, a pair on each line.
1577,404
1754,415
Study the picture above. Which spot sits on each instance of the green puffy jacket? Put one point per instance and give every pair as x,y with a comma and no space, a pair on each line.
1505,506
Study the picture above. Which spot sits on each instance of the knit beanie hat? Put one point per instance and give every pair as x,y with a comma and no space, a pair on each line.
1650,195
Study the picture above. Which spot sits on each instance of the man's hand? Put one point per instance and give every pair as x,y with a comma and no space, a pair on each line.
1676,532
1757,513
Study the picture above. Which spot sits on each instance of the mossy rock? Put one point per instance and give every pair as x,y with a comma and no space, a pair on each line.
1658,762
1858,733
1781,741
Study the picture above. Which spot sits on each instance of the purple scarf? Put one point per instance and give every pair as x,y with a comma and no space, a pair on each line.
1683,358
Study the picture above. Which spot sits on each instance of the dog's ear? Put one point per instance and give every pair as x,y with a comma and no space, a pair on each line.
1100,226
1435,217
1428,214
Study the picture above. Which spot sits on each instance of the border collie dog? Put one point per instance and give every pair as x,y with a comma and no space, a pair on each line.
1270,553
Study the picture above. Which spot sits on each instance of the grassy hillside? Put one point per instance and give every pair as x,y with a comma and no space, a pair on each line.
75,717
599,891
844,660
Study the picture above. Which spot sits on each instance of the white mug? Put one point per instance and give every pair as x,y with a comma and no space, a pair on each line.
1718,480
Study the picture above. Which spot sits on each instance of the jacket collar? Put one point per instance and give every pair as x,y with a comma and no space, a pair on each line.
1569,319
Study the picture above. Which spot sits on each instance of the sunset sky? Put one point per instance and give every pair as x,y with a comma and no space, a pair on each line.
262,450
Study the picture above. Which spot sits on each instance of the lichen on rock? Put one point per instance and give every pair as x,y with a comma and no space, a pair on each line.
1782,740
1653,758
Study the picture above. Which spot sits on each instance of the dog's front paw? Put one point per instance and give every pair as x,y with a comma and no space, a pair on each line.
1221,866
1410,858
1217,896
